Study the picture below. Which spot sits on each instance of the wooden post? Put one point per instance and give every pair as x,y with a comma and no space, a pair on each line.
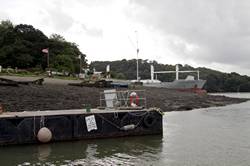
1,108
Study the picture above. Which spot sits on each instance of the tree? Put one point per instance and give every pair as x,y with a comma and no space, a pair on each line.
7,24
21,46
57,37
63,63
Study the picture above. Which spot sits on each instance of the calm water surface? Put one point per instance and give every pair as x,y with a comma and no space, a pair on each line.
213,136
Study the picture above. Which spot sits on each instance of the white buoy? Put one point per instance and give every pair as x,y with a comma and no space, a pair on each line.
128,127
44,135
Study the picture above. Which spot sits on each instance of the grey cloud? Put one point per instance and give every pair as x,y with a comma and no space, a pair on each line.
92,3
220,29
61,20
4,16
95,32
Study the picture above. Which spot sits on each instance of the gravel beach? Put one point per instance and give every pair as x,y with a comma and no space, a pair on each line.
56,94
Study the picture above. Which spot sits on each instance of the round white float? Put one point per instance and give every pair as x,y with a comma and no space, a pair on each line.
44,135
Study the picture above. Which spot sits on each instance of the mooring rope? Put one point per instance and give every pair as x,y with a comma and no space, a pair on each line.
34,126
108,121
138,113
140,121
118,127
157,110
42,121
115,115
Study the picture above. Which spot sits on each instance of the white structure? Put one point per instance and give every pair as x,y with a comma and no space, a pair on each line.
188,83
108,71
110,98
177,71
0,68
108,68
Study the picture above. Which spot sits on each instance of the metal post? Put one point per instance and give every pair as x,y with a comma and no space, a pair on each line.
80,68
137,70
137,52
177,72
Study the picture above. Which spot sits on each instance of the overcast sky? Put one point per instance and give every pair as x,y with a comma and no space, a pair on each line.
209,33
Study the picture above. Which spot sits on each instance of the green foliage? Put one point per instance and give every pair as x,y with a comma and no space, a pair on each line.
63,63
118,75
57,37
21,46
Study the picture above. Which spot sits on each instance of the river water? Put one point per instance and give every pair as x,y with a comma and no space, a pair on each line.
212,136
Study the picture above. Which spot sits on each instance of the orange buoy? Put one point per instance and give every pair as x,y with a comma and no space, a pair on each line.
134,99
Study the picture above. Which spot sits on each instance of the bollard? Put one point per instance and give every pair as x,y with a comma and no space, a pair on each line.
88,108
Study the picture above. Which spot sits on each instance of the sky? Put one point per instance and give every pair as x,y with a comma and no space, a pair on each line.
200,33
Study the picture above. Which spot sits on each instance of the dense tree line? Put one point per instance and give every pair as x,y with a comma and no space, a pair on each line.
21,47
216,81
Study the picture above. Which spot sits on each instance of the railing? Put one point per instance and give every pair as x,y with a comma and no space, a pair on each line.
123,99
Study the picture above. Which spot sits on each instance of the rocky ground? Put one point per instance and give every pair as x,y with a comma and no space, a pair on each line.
55,94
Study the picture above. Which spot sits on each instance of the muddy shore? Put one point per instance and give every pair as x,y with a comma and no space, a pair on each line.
56,94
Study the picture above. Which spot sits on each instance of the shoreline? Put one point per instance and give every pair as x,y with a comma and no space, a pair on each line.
56,94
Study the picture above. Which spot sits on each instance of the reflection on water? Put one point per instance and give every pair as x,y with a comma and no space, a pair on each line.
123,151
43,152
212,136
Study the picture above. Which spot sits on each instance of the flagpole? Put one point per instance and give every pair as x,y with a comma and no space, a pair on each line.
48,58
80,65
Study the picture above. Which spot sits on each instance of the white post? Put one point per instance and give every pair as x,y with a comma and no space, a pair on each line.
152,72
198,75
0,68
177,72
107,68
108,71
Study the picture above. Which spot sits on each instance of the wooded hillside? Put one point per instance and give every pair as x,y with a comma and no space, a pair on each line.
216,81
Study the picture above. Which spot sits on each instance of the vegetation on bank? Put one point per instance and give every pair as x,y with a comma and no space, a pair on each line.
21,50
21,47
216,81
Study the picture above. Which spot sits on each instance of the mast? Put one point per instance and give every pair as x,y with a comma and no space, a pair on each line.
137,53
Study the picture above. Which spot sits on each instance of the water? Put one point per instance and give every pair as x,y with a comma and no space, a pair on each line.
213,136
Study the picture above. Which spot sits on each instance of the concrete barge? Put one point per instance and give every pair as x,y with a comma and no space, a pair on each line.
66,125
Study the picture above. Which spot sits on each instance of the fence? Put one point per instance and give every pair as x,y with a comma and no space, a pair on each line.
123,99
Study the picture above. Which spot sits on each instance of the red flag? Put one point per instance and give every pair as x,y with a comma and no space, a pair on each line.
45,50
